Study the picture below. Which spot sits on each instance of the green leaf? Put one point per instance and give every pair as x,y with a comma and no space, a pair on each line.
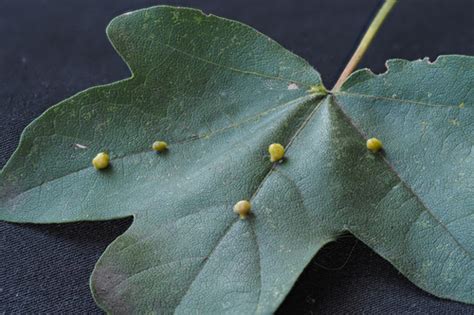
219,93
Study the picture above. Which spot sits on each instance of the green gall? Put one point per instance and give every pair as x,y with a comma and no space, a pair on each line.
277,152
159,146
242,208
374,145
101,161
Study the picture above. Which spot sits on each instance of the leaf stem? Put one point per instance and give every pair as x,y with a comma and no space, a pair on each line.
365,42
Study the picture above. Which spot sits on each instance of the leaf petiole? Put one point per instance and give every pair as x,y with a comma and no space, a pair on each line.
365,42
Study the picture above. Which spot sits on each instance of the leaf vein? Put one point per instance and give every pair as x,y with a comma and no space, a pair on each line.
393,99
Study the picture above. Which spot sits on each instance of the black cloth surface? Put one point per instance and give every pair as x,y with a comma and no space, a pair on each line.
50,50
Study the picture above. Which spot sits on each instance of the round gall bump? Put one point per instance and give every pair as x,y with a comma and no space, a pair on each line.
242,208
374,145
101,161
159,146
277,152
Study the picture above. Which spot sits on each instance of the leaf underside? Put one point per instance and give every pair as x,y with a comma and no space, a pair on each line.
219,93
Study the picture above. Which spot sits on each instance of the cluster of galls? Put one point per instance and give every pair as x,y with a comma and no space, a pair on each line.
243,207
102,160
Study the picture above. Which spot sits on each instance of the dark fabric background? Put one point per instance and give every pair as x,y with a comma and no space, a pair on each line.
50,50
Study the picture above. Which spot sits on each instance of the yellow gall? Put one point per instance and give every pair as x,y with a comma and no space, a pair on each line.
374,145
159,146
101,161
277,152
242,208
